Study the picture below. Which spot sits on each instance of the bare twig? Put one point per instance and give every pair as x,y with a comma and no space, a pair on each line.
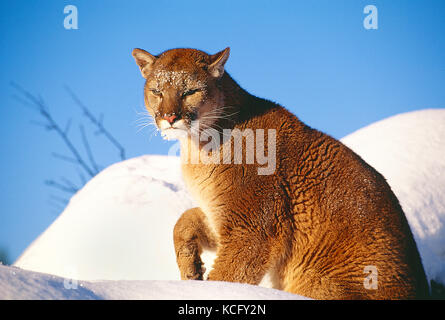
59,199
52,125
60,186
64,158
67,126
97,122
86,167
23,101
88,149
43,125
58,203
82,177
69,183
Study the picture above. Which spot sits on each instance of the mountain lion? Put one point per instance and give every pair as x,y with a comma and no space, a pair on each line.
324,224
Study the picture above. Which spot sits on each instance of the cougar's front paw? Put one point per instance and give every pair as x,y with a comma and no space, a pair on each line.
192,270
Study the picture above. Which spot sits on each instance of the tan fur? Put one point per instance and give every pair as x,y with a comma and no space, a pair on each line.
314,224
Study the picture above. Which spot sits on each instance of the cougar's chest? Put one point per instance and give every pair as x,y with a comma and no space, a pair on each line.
200,181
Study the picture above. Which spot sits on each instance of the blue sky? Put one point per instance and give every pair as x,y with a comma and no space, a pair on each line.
313,57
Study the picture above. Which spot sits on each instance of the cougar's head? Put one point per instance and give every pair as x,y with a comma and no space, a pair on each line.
181,90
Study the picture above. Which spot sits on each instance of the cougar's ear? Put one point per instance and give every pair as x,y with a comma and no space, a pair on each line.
144,60
216,67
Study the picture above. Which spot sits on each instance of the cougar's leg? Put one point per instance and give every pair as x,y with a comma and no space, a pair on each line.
190,235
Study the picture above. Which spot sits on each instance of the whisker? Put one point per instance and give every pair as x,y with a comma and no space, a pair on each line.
145,120
212,127
153,128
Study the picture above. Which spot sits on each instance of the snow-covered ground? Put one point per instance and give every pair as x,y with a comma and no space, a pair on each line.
119,226
17,283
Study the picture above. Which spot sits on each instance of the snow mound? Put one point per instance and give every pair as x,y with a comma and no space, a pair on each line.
409,151
120,225
26,285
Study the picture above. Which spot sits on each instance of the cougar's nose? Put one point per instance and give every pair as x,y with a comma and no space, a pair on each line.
170,117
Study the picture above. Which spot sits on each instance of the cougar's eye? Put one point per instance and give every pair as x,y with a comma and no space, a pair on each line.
156,92
189,92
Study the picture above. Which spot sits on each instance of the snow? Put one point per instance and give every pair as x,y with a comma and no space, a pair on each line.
118,227
116,233
21,284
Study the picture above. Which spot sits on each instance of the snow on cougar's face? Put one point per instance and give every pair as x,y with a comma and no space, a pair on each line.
180,103
182,93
